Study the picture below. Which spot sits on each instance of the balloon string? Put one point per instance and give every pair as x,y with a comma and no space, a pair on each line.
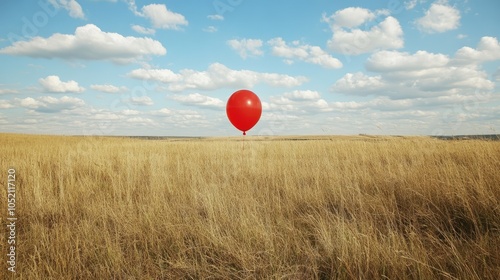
244,133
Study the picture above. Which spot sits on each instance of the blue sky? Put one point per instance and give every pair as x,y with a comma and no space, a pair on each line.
125,67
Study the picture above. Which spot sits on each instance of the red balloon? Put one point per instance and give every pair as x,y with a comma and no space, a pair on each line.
244,109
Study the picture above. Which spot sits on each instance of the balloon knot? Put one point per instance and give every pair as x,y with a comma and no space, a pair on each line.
244,133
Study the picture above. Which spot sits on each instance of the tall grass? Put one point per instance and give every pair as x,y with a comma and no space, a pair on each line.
324,208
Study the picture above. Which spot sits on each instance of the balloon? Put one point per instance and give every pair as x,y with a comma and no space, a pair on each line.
243,109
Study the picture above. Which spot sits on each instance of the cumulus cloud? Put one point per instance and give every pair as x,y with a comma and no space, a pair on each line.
431,72
385,61
88,43
216,76
54,84
414,84
74,9
143,30
297,102
108,88
440,17
488,49
349,39
160,75
161,17
302,95
307,53
352,17
49,104
421,74
358,84
199,100
246,47
128,112
158,15
163,112
141,101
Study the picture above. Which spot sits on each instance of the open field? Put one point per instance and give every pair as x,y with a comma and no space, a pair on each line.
328,208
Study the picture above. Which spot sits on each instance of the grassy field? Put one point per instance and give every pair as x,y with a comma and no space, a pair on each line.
263,208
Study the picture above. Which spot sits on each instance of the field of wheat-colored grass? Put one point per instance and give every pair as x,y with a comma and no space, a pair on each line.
263,208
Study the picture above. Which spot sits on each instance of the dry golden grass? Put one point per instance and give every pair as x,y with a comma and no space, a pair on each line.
327,208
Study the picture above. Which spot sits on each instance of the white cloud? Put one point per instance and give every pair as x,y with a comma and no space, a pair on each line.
181,118
346,105
461,36
54,84
199,100
488,49
210,29
385,35
215,17
128,112
246,47
216,76
439,18
307,53
133,7
358,84
379,103
105,116
5,104
108,88
141,120
160,75
449,80
351,17
163,112
302,95
143,30
142,101
186,119
418,105
161,17
88,43
49,104
385,61
444,81
422,74
8,91
409,5
297,102
320,105
74,9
